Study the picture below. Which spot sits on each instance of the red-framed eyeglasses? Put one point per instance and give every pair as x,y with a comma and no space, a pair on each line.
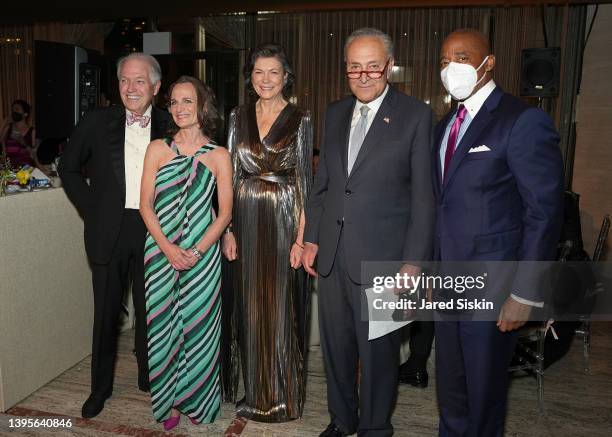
372,74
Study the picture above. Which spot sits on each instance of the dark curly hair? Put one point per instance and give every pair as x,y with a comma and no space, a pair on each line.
208,115
269,50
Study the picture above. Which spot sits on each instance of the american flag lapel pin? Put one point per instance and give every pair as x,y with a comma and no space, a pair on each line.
386,120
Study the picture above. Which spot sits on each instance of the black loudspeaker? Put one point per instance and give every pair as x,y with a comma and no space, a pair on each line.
89,87
56,88
540,72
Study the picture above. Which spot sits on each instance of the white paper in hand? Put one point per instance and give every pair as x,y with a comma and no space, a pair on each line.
383,322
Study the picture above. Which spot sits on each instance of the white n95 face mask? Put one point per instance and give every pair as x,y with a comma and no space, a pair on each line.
461,79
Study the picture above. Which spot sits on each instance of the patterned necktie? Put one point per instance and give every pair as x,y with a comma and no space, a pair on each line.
131,118
359,134
452,138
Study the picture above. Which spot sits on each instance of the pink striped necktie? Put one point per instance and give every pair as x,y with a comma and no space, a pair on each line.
452,138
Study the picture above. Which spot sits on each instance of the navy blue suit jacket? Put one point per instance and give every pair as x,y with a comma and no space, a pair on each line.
504,204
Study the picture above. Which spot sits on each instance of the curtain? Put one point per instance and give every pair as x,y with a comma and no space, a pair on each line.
569,34
315,43
16,68
87,35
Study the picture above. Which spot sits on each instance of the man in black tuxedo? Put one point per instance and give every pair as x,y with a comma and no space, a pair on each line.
372,201
110,143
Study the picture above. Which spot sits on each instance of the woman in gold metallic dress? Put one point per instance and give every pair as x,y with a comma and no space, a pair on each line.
271,146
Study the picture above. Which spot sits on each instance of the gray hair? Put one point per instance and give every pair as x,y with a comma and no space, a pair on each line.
371,32
155,74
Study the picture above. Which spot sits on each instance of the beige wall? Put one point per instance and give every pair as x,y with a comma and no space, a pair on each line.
593,162
46,298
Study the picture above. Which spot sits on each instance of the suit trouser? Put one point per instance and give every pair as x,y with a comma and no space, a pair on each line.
421,335
345,346
109,283
472,360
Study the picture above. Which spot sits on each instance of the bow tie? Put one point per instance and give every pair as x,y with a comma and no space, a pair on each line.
143,120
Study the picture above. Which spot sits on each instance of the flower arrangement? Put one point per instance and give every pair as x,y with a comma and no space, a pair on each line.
23,175
6,171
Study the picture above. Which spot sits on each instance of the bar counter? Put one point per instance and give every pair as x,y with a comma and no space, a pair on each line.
46,298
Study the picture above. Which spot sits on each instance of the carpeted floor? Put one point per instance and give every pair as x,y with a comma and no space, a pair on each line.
577,403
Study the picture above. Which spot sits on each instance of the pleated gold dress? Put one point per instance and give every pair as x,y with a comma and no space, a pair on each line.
272,178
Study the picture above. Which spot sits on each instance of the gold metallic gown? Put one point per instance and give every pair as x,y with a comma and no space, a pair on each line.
272,178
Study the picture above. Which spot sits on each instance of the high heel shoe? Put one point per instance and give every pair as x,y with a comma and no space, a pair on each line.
171,422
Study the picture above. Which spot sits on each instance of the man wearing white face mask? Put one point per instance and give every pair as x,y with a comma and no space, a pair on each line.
498,181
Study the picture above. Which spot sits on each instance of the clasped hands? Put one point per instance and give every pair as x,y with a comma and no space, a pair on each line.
179,258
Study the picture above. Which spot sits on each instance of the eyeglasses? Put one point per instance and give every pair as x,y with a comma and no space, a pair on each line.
372,74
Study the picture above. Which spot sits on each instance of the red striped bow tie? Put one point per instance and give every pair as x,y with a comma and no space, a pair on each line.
143,120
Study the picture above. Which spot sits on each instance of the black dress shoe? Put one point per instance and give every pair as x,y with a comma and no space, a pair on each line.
417,378
93,406
333,431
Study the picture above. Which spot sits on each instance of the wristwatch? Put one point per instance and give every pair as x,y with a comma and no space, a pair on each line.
196,252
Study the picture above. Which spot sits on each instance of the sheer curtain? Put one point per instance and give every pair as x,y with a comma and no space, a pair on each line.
16,67
314,41
88,35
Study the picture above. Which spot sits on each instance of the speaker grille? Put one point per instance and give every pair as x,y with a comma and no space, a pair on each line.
540,72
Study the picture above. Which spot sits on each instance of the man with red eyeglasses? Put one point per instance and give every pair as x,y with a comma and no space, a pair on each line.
372,200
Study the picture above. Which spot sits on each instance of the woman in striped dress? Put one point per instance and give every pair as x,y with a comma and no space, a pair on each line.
182,257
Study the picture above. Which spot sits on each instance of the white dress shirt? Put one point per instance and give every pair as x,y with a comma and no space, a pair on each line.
136,141
473,105
374,105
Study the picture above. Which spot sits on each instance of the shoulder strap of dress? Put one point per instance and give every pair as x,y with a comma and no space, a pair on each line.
206,148
170,142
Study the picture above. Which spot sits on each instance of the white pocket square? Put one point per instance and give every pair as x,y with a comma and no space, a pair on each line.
478,149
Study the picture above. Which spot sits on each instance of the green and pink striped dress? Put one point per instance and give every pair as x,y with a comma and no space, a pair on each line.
184,307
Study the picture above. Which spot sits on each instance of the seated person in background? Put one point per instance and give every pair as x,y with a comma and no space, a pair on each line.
17,135
45,156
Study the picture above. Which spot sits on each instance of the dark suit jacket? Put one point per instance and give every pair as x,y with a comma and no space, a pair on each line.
385,208
504,204
98,143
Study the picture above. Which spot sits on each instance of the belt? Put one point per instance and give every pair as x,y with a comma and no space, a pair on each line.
277,178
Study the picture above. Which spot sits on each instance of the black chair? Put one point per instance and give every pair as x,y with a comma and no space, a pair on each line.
533,353
529,355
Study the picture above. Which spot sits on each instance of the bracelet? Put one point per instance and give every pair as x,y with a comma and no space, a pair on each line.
301,246
228,230
196,252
